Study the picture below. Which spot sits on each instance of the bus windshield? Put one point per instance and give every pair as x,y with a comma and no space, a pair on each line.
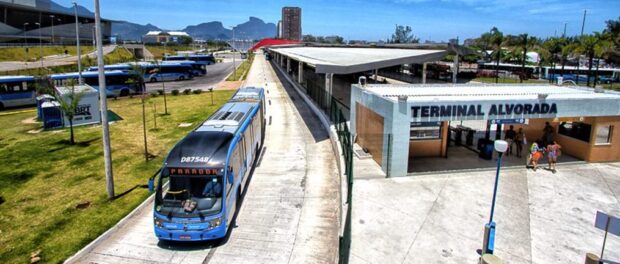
189,195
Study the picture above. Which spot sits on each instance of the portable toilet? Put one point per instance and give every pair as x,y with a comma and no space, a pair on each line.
51,115
40,100
87,111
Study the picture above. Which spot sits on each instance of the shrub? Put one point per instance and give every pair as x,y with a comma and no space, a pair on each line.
197,91
160,92
175,92
154,94
187,91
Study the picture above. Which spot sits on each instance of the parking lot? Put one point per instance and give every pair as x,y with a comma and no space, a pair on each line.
439,217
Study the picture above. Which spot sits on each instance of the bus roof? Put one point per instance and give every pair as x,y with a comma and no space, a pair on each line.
86,74
16,78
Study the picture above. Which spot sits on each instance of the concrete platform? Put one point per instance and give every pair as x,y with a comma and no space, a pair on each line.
439,218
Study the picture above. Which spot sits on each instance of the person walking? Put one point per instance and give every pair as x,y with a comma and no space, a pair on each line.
553,151
548,132
510,136
536,152
520,140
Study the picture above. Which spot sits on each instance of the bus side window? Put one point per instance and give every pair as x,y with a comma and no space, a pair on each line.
3,88
17,87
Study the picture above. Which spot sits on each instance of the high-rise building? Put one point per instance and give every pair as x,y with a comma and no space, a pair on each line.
291,23
279,29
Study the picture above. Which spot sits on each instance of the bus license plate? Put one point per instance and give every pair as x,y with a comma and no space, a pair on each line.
185,237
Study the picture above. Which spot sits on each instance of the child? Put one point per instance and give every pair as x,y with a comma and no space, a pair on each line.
535,155
553,151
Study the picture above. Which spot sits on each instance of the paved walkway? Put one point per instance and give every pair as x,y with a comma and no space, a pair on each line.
438,218
289,213
50,61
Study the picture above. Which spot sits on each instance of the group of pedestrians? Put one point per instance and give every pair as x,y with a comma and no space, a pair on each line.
538,149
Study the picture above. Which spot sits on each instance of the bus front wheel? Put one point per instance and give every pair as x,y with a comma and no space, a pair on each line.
153,79
1,106
181,78
124,93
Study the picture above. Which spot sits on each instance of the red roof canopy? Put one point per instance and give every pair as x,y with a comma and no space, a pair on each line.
271,42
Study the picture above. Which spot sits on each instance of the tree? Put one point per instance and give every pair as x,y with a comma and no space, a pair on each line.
138,80
588,45
69,103
495,39
403,34
308,38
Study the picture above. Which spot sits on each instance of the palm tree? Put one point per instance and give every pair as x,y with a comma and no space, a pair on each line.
602,50
496,38
549,51
138,79
69,103
588,45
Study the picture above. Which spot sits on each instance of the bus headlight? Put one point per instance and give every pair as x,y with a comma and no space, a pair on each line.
215,222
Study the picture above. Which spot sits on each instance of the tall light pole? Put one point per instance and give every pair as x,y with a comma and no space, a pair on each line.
25,46
489,229
52,18
583,24
233,53
40,45
107,151
77,41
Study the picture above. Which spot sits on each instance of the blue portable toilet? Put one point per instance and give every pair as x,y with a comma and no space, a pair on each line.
51,115
40,100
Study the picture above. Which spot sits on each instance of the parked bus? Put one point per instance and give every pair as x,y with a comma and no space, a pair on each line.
118,83
197,68
166,72
206,172
206,59
113,67
17,91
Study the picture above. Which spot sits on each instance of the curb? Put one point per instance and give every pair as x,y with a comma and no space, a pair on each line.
88,248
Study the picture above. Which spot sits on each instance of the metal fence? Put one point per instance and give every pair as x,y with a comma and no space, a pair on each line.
337,116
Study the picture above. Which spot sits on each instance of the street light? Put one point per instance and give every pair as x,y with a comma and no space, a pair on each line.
489,229
233,53
52,18
77,40
40,45
25,46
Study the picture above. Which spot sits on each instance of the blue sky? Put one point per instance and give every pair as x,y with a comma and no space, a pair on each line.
373,20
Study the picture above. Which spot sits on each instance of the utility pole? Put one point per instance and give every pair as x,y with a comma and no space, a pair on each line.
77,41
40,45
25,46
564,34
583,23
52,18
107,151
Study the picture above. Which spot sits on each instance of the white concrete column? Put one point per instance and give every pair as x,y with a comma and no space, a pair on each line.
288,65
455,68
300,72
329,81
376,75
424,72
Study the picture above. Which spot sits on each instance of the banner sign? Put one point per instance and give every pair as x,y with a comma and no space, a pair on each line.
481,112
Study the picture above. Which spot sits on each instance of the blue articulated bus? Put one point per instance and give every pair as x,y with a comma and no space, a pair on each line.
166,72
198,69
118,83
113,67
201,181
206,59
17,91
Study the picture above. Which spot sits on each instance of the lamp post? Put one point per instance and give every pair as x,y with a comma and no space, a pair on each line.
77,42
489,229
107,151
25,46
233,53
40,45
52,18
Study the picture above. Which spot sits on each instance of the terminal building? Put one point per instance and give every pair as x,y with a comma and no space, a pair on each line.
33,20
406,127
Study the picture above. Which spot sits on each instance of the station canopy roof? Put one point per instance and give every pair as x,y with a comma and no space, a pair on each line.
344,60
567,101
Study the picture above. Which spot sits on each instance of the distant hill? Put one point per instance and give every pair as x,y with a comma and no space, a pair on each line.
209,30
255,28
131,31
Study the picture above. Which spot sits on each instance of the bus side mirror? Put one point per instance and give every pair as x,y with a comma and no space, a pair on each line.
151,184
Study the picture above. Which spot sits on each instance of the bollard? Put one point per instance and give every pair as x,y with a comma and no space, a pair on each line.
592,258
490,259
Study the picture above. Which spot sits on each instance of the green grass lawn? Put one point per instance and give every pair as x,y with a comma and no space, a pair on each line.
158,51
504,80
243,69
33,54
117,56
42,178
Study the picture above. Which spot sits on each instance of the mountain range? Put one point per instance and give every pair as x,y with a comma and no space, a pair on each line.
254,28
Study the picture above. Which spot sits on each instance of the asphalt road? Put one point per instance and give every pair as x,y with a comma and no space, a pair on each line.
215,74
